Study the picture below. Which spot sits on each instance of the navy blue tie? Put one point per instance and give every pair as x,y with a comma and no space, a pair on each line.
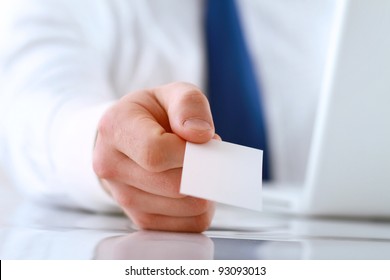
233,91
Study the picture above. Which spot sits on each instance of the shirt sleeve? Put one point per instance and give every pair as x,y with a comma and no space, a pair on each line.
54,88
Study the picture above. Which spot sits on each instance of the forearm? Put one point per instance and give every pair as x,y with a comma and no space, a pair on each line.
54,89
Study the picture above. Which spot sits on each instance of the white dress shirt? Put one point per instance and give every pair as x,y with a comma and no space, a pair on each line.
63,62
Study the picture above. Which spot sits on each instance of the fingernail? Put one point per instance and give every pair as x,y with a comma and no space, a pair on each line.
197,124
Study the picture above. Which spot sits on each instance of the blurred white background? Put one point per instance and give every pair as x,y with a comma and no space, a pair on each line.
8,196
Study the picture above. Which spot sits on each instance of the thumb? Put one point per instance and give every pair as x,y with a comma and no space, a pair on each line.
188,111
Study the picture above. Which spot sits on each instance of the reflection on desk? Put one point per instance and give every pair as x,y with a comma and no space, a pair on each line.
32,231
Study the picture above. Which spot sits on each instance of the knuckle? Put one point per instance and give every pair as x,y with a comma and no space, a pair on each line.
153,161
194,97
198,206
144,221
171,184
153,158
105,124
126,202
187,93
102,167
110,125
202,222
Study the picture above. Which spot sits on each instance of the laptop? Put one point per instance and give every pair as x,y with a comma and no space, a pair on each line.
348,173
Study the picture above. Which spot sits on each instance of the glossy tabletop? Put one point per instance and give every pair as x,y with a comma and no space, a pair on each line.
32,231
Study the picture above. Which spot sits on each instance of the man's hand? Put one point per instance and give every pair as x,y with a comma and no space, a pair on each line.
139,155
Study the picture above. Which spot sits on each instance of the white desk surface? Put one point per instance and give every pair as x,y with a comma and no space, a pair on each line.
31,231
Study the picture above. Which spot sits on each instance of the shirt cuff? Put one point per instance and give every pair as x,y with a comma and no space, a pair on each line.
73,138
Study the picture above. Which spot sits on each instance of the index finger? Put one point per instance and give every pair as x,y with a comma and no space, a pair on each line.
139,133
143,120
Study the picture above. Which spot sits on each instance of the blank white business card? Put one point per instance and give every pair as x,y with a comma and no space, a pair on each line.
223,172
